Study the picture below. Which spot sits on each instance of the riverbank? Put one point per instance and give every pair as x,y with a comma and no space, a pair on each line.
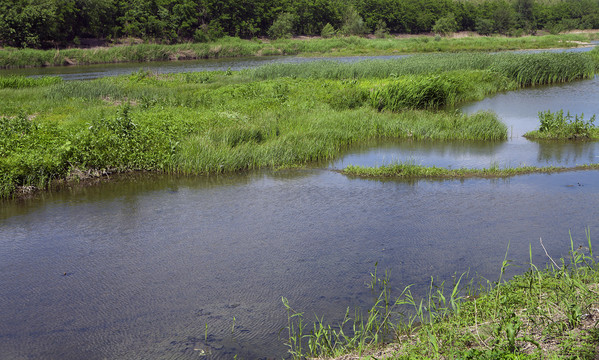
337,46
548,313
271,117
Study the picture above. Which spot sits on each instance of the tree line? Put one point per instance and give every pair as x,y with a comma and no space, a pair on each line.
56,23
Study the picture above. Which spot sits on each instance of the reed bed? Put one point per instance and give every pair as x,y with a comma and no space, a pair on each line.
413,171
548,312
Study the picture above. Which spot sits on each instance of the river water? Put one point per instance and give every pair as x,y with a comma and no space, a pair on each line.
160,266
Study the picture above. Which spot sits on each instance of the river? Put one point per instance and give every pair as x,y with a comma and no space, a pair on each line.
160,266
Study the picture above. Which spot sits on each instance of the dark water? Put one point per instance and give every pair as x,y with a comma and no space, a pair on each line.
151,261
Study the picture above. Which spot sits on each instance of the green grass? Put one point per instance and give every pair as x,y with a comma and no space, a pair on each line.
412,171
207,123
548,313
557,126
234,47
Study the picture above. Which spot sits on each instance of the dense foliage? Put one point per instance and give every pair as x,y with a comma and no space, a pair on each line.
49,23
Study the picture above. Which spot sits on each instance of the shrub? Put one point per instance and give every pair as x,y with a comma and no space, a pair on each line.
327,31
282,28
445,25
353,24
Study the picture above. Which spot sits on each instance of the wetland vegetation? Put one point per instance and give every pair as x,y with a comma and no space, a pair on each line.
274,116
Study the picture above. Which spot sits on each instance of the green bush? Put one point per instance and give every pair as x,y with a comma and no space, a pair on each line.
445,25
327,31
282,28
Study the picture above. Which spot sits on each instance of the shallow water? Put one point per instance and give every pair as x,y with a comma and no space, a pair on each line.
139,267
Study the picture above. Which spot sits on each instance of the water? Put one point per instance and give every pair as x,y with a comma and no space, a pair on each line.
140,266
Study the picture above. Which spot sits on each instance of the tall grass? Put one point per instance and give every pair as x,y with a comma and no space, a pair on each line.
524,69
20,82
547,314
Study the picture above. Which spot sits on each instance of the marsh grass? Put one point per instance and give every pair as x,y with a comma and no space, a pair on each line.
413,171
545,313
557,126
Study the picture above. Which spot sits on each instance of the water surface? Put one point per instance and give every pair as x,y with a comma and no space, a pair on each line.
139,267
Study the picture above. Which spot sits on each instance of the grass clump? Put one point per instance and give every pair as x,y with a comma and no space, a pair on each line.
557,126
548,313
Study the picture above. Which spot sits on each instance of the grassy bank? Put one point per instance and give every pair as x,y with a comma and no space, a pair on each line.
234,121
234,47
557,126
412,171
548,313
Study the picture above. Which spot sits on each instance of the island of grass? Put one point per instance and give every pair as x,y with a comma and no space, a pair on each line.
275,116
549,313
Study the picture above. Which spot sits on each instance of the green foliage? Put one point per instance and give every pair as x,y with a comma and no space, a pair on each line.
327,31
282,28
445,25
556,125
60,23
353,24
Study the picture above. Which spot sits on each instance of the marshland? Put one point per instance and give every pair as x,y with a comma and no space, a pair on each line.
218,193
